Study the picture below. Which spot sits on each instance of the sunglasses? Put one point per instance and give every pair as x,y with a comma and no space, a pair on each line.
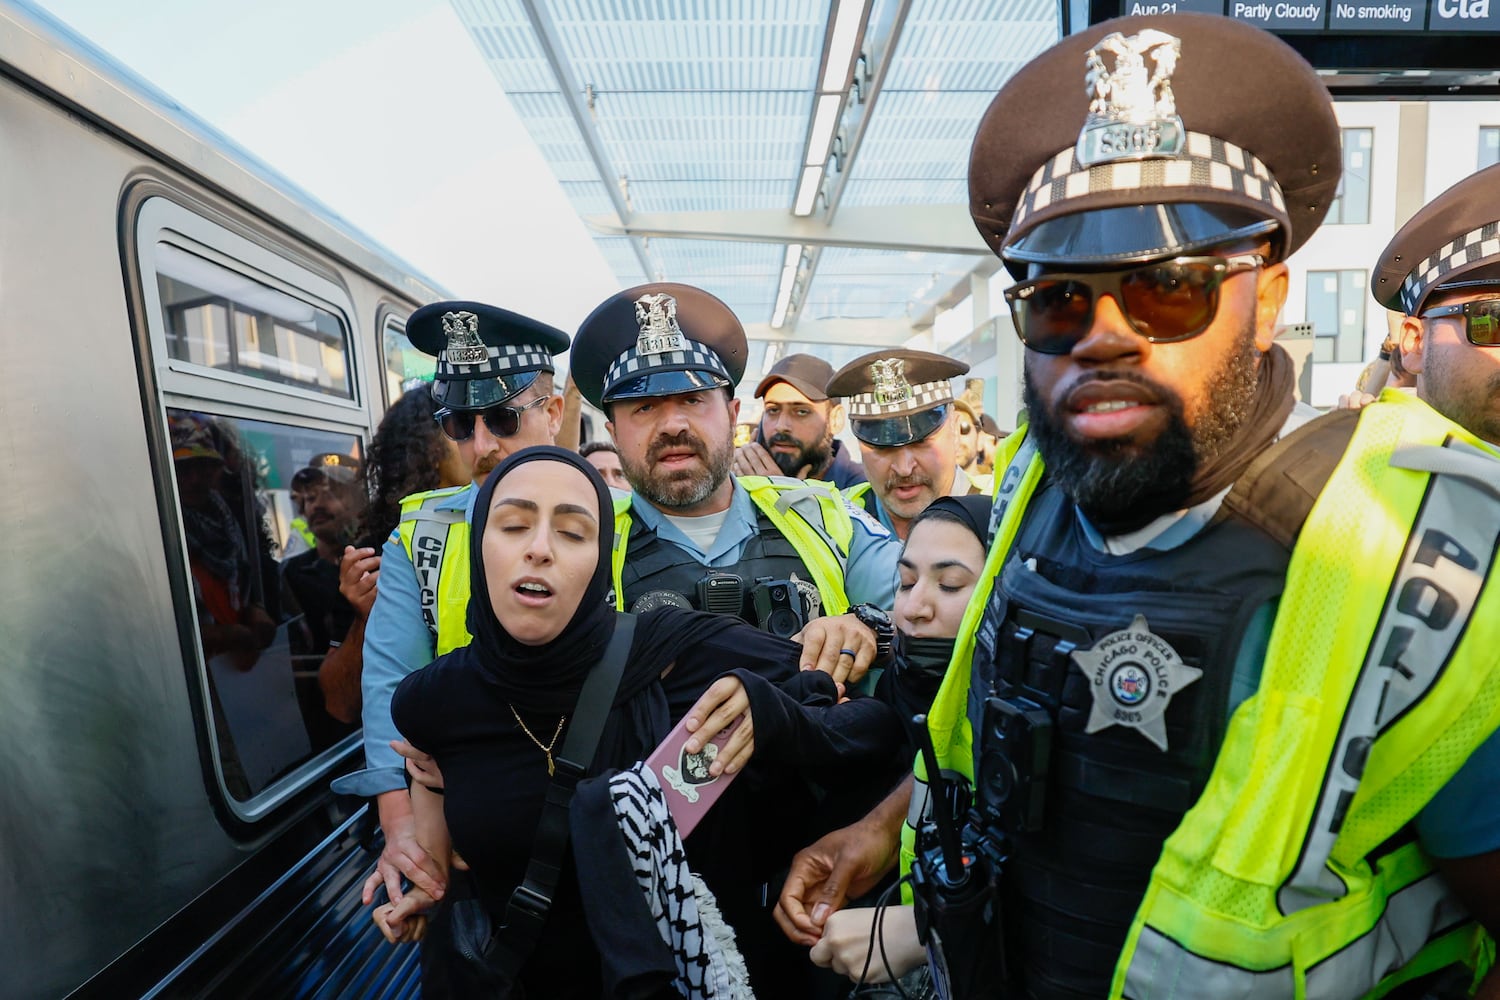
1164,302
1481,320
502,421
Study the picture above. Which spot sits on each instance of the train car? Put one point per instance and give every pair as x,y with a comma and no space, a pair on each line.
183,332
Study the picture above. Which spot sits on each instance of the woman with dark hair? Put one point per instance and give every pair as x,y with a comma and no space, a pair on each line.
494,714
940,564
409,454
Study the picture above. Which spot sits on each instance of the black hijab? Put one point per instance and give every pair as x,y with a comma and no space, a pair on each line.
546,678
972,511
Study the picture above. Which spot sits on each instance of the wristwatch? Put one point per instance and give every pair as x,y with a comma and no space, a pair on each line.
877,621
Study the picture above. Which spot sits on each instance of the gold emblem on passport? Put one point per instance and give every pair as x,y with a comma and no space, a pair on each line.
464,346
1133,674
890,381
657,316
1132,112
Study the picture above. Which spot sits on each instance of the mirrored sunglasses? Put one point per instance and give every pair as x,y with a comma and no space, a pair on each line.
501,421
1165,302
1481,320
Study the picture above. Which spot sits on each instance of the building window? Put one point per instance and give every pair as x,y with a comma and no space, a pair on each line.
1352,205
1489,146
1336,309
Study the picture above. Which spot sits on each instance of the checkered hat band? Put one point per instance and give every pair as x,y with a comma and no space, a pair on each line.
633,364
506,360
1209,162
1474,247
864,405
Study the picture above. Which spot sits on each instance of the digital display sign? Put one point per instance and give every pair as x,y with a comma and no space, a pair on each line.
1396,49
1338,15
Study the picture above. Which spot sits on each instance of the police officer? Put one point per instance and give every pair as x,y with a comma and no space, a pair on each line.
494,392
798,427
902,412
1442,272
1199,713
662,361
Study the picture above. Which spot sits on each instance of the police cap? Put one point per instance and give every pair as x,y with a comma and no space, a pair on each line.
896,397
661,339
1453,242
1163,135
485,354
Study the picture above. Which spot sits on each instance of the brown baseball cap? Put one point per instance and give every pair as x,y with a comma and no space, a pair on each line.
806,373
894,398
1165,134
1454,242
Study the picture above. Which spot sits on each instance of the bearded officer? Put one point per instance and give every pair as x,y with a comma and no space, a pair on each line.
494,394
1203,711
902,412
1442,272
662,362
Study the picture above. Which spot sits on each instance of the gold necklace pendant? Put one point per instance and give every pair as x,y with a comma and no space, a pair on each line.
544,748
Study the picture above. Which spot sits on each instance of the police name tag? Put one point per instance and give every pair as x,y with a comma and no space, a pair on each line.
1133,674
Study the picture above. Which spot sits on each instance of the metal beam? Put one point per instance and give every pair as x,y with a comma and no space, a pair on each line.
871,333
551,44
931,228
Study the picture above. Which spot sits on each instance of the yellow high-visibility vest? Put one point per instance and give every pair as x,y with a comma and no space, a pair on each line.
810,514
437,542
1380,680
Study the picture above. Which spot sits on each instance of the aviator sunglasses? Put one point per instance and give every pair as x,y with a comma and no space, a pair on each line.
502,421
1481,320
1164,302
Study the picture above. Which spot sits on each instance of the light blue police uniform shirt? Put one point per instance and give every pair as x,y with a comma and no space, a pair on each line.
397,642
870,573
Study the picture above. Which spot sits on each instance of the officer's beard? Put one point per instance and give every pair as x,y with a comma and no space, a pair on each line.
814,457
679,488
1121,485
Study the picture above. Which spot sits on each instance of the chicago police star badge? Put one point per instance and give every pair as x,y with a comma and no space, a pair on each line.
1132,110
464,346
656,315
1133,674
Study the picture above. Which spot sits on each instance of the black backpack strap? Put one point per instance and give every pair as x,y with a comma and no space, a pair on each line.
526,911
1276,492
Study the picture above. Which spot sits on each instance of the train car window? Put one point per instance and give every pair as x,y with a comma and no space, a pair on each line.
266,510
222,319
403,362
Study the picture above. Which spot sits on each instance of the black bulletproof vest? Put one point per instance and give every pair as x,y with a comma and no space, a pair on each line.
652,564
1073,887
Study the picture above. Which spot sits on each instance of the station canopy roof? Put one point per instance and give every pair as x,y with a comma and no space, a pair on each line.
804,160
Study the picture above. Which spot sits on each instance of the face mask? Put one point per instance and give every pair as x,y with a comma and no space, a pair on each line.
925,659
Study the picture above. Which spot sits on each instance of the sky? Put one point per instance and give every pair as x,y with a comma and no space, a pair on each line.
385,111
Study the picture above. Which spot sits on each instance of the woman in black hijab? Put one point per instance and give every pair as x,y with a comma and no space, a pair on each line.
494,713
940,564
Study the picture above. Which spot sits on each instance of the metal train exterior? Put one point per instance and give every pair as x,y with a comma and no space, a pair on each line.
181,331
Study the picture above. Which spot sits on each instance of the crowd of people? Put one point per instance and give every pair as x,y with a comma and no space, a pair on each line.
1181,689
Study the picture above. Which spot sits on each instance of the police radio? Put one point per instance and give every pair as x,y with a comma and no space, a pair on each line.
955,885
722,594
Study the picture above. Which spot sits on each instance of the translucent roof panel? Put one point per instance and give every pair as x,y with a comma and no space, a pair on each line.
654,107
879,284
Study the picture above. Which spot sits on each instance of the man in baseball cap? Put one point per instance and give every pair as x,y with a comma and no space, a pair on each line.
901,411
1170,644
798,422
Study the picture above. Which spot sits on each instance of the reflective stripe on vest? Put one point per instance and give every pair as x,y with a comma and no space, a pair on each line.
1266,889
948,719
1271,869
437,543
810,515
